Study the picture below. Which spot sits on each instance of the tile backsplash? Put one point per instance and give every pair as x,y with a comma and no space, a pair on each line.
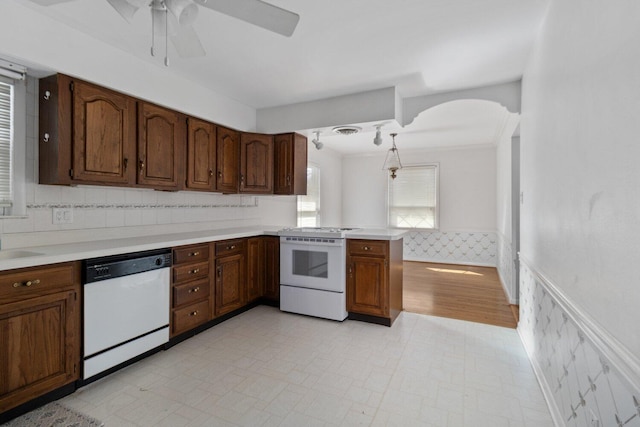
104,209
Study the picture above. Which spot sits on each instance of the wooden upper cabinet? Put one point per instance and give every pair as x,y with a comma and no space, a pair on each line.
161,146
103,135
256,163
290,164
228,160
86,134
201,155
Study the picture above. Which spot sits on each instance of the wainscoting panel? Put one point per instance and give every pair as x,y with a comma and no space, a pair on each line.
582,373
506,268
453,247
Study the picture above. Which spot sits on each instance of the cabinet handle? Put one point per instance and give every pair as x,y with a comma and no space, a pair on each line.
241,178
219,174
193,313
288,179
46,137
219,270
125,163
196,253
141,166
47,95
351,270
196,289
366,248
27,283
194,271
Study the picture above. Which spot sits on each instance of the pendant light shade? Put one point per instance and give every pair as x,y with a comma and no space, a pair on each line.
392,163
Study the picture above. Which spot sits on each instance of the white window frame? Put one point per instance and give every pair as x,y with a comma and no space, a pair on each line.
318,201
18,149
436,224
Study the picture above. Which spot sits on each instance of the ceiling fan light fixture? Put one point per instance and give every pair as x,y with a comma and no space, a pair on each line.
185,11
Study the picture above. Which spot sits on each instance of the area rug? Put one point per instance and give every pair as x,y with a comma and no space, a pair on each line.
53,414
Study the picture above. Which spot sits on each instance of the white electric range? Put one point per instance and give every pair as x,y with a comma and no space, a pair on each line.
313,271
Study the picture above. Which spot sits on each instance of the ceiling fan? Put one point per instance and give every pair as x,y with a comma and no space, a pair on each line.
173,19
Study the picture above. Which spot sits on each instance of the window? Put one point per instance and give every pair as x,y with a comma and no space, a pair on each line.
13,118
309,205
6,136
413,197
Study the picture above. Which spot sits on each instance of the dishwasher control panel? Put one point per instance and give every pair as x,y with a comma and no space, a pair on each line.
97,269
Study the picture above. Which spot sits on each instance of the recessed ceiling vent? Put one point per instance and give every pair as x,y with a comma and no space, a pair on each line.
346,130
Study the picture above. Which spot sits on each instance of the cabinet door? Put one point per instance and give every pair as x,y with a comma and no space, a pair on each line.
290,164
228,160
272,268
255,268
161,143
230,283
103,135
201,155
367,288
256,163
40,346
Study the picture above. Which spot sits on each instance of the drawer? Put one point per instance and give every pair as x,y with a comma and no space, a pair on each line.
189,317
190,292
31,282
228,247
367,247
189,272
195,253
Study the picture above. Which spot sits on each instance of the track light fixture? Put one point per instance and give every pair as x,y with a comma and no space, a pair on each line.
378,139
316,141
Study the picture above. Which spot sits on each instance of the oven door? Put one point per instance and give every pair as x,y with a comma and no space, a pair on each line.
314,265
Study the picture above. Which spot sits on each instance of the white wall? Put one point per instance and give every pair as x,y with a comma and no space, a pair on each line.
580,152
36,40
580,216
330,163
467,188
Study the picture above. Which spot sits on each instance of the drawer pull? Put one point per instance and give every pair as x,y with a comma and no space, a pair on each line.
194,271
366,248
193,313
196,253
231,247
27,283
196,289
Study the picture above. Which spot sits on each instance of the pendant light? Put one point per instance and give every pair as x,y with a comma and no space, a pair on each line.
392,162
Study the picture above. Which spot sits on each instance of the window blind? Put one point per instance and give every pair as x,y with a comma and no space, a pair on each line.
5,144
413,197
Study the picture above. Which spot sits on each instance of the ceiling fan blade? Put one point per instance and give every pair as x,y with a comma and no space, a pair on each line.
49,2
187,43
256,12
126,8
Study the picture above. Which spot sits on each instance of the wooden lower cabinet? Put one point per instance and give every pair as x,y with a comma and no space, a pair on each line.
230,272
374,280
191,291
39,332
255,269
271,265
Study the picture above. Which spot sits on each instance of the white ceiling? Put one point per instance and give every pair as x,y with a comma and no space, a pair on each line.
343,47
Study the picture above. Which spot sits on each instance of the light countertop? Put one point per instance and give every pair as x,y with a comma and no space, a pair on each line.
52,254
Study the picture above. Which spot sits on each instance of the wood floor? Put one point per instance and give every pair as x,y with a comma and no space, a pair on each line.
456,291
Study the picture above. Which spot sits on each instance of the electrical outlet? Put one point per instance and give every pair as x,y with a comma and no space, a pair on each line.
62,215
595,422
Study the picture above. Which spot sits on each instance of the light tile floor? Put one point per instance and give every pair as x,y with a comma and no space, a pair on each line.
268,368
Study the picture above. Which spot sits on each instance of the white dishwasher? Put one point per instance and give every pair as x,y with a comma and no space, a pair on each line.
126,309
